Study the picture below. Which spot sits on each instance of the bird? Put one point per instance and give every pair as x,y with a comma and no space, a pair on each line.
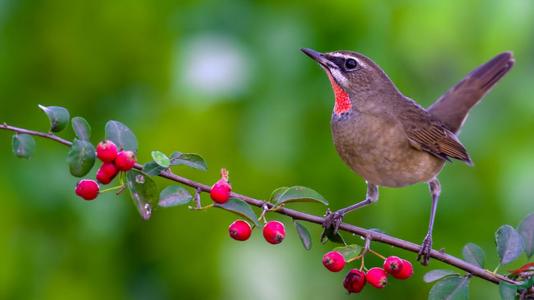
389,139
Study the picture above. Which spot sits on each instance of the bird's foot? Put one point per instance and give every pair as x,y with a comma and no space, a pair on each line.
424,254
333,220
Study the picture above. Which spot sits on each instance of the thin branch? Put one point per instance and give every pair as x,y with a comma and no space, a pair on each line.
297,215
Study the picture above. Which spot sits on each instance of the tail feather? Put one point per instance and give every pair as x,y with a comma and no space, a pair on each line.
452,108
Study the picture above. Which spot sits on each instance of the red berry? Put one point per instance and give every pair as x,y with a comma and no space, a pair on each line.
393,264
240,230
106,151
87,189
354,281
106,173
220,191
334,261
274,232
125,160
377,277
406,271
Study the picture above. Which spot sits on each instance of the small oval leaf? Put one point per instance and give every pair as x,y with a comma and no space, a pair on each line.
300,194
161,159
121,135
509,244
329,235
349,251
275,195
23,145
58,117
81,128
304,235
450,288
526,229
189,159
437,275
473,254
507,291
173,196
241,208
152,168
81,158
143,191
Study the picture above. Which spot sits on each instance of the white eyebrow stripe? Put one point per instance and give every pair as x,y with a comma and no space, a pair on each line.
344,56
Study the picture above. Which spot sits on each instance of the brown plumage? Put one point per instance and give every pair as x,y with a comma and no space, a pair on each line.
389,139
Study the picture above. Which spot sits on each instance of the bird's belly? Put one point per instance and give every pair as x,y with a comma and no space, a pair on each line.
378,150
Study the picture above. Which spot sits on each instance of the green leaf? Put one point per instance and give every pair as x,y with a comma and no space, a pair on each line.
473,254
143,191
161,159
275,195
241,208
81,158
435,275
526,229
304,235
189,159
81,128
450,288
349,251
58,117
509,244
173,196
329,235
299,194
152,168
23,145
507,291
121,135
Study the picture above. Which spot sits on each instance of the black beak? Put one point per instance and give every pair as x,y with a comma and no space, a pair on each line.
319,57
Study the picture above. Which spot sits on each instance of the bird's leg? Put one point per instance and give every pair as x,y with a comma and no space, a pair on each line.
334,219
426,247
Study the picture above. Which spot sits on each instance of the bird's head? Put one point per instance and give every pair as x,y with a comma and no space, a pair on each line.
351,75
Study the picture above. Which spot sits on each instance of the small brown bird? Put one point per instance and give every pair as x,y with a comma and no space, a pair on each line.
389,139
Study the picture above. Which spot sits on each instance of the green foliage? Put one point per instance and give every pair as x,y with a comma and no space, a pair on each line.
189,159
23,145
304,235
81,158
143,191
81,128
241,208
121,135
58,117
453,287
174,195
329,235
296,194
507,291
435,275
473,254
509,243
526,229
161,159
349,251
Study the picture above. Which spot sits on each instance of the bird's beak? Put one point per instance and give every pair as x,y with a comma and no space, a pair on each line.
319,57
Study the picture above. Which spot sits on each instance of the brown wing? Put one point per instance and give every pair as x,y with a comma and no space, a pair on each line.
428,134
452,108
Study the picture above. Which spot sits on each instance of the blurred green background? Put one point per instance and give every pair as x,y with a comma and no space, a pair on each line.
226,79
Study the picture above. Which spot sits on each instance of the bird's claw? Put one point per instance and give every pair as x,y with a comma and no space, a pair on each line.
424,254
333,220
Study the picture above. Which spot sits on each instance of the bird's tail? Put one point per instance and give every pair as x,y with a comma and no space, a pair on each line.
452,108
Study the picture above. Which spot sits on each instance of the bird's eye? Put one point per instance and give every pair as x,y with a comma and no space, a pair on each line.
351,64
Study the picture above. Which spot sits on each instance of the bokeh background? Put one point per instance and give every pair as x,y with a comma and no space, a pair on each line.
226,79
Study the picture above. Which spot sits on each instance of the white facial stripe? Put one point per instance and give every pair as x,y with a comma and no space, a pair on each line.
339,76
344,56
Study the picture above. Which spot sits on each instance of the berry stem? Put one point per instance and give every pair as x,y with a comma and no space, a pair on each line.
377,254
118,187
202,208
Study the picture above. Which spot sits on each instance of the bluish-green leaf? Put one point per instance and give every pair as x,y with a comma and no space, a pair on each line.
450,288
526,230
81,128
276,193
473,254
507,291
435,275
299,194
152,168
58,117
121,135
143,191
174,195
81,158
161,159
304,235
350,251
329,235
188,159
509,243
23,145
241,208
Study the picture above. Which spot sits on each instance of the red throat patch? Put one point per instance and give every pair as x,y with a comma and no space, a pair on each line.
342,101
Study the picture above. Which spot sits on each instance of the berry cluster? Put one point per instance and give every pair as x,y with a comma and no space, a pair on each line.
113,161
356,279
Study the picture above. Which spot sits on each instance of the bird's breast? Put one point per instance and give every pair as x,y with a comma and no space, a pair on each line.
376,147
